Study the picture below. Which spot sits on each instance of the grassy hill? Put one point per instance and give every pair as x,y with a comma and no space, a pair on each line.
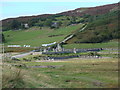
100,28
80,12
36,37
101,21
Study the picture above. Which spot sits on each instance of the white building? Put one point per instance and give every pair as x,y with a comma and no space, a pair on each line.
26,25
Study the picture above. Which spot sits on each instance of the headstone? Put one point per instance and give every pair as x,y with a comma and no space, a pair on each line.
53,50
44,50
48,48
56,50
59,48
74,50
63,49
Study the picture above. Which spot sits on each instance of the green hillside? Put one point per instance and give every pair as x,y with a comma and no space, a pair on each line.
100,28
36,37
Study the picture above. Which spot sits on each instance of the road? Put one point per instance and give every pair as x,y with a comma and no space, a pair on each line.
22,55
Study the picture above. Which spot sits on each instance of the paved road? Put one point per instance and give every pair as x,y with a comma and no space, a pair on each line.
22,55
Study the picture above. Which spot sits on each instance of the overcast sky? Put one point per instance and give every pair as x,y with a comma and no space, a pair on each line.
16,8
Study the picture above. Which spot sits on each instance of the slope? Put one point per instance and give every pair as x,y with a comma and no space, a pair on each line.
100,28
36,37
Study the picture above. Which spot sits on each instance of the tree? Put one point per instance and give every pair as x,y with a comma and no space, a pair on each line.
48,22
33,21
15,24
40,24
73,20
2,38
56,24
59,23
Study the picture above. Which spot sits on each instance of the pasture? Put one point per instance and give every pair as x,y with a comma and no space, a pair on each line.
110,44
36,37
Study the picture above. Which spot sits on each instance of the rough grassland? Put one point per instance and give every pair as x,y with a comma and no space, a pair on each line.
75,73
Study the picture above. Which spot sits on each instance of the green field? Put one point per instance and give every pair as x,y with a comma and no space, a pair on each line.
110,44
75,73
36,37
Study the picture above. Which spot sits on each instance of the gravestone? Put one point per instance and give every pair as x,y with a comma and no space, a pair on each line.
44,50
74,50
53,50
56,50
59,48
63,49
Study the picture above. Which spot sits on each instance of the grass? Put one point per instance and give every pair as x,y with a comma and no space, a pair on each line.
80,73
36,37
110,44
18,49
0,75
12,77
74,73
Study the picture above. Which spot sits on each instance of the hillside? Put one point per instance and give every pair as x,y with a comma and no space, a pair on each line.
80,12
98,10
101,26
25,19
36,37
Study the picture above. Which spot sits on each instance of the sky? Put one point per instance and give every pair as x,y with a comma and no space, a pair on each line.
16,8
